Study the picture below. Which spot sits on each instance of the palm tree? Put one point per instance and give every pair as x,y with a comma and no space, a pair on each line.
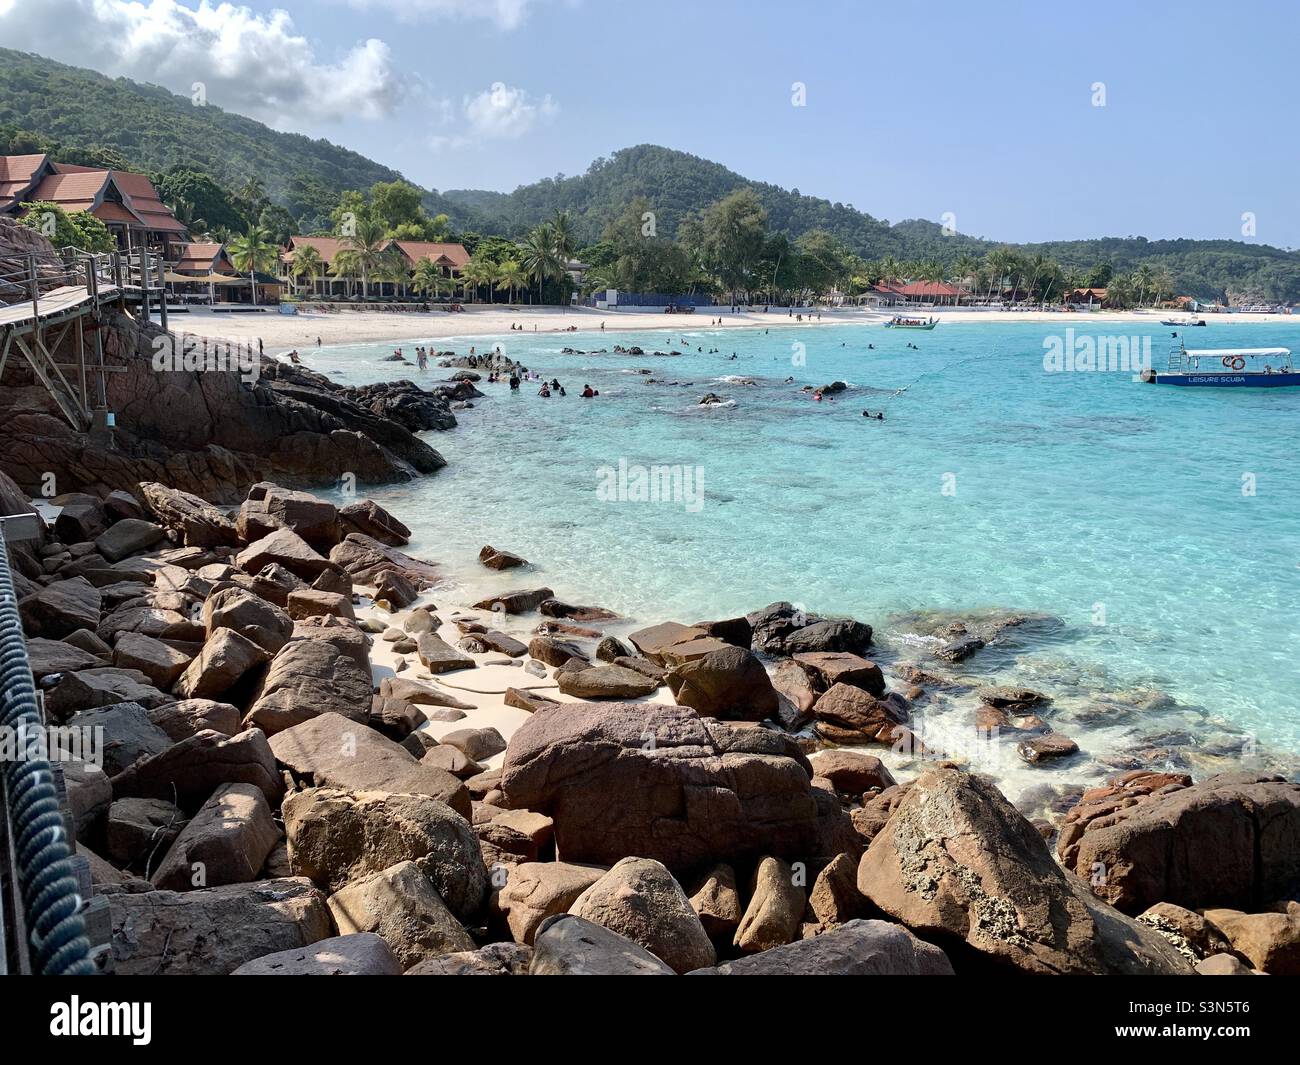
307,260
477,272
345,269
541,260
187,215
253,253
392,269
1143,281
510,275
428,279
562,232
366,243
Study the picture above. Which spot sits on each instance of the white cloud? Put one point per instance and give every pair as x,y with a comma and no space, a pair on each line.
505,14
504,113
253,64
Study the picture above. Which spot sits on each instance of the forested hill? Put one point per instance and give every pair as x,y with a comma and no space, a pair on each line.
678,184
45,105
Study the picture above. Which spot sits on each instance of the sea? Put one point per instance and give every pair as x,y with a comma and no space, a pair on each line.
1132,549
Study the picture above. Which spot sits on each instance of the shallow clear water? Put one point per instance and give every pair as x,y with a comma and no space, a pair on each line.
1123,509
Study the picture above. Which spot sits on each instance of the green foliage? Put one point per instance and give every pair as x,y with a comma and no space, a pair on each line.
75,229
207,200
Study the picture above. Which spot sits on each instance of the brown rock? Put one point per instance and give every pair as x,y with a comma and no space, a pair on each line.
255,619
828,668
957,863
306,679
359,954
1270,940
852,773
334,752
639,899
226,842
717,902
224,660
657,781
310,603
535,891
401,905
336,837
214,931
189,771
199,523
847,714
775,910
730,684
158,661
191,716
835,897
605,682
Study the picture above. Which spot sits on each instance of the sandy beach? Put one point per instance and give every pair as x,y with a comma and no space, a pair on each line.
280,332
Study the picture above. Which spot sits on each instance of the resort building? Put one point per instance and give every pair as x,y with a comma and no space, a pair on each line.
930,293
204,270
449,258
126,203
1089,297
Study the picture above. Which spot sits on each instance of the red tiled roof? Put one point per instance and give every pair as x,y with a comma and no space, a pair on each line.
326,247
202,257
929,288
17,172
111,211
453,254
83,188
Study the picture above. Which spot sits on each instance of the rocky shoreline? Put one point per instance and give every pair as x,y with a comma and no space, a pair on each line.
293,744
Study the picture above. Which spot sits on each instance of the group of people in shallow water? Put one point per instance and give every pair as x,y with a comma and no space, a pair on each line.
550,388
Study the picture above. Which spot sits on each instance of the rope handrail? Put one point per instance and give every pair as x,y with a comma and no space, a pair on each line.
38,842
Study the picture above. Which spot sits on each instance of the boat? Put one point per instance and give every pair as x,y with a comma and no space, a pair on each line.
1226,368
899,322
1183,323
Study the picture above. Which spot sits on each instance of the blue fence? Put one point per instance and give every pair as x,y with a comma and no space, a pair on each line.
655,299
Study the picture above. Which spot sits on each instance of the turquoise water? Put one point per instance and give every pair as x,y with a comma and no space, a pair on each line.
992,484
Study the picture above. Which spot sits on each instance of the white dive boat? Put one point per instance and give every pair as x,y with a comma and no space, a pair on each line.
1226,368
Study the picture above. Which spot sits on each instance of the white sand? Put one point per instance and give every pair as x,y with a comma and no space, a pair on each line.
484,687
280,332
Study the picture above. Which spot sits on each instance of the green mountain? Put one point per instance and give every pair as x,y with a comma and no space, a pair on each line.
48,106
82,116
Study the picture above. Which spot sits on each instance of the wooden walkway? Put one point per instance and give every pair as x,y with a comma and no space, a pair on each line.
36,325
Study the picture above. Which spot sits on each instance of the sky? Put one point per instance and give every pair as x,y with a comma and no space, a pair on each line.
1008,120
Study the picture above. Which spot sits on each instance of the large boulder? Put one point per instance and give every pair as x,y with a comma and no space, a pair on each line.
262,622
123,734
47,657
496,959
783,629
189,771
371,520
214,931
199,523
336,837
859,948
286,548
158,661
358,954
316,520
226,842
775,910
402,905
1232,840
729,683
573,946
848,714
534,891
365,559
1271,941
605,682
959,865
187,718
333,751
828,668
61,608
128,537
308,678
225,659
659,782
638,898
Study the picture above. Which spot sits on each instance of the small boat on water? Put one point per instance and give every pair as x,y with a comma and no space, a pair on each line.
1183,323
899,322
1226,368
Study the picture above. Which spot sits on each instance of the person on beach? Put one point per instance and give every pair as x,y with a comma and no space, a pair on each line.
318,341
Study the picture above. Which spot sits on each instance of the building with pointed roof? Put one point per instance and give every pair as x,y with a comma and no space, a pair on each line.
126,203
